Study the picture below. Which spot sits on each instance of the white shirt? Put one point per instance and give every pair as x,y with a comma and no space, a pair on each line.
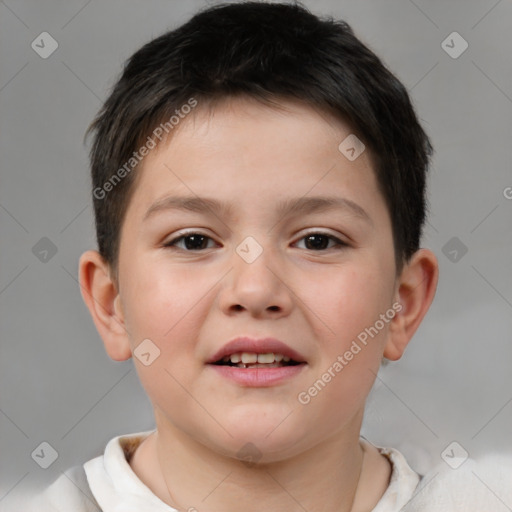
108,484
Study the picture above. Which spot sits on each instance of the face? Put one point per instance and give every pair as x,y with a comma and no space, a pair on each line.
190,281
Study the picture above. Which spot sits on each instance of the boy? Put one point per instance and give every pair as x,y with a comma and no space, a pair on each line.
260,131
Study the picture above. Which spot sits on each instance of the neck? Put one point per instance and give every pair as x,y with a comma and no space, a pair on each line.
187,475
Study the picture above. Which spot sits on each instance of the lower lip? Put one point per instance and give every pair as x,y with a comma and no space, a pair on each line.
258,377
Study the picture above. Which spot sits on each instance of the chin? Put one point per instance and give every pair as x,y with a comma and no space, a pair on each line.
269,437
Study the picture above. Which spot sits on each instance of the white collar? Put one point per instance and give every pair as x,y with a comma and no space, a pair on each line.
117,488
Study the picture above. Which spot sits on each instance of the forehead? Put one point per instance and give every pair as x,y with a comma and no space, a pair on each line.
241,150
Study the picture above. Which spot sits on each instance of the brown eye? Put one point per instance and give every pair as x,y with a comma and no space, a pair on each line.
320,241
192,242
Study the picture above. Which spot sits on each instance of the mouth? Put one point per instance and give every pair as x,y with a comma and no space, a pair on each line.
254,360
246,352
260,363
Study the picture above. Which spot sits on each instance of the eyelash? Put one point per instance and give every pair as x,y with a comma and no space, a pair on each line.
339,243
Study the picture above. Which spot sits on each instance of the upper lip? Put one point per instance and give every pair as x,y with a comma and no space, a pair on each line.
258,346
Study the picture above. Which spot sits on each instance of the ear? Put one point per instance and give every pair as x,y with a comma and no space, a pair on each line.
416,288
104,303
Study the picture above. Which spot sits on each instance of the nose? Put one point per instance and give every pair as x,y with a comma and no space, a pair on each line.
257,286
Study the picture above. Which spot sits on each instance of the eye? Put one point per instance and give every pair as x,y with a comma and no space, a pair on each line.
317,241
193,241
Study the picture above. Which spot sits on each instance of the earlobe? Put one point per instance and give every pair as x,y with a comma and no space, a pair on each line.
416,290
104,303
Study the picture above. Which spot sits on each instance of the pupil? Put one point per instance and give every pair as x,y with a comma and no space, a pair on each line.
195,239
317,245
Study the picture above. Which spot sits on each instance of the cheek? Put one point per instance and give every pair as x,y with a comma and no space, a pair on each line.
347,300
349,303
168,307
164,306
339,402
350,355
163,301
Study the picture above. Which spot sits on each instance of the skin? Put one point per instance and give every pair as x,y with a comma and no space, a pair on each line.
189,304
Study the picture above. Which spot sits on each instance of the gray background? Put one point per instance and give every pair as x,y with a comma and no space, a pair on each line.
57,383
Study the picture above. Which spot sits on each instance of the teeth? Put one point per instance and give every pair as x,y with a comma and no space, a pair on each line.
253,358
249,357
266,358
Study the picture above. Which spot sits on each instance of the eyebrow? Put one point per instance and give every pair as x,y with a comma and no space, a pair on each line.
304,205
